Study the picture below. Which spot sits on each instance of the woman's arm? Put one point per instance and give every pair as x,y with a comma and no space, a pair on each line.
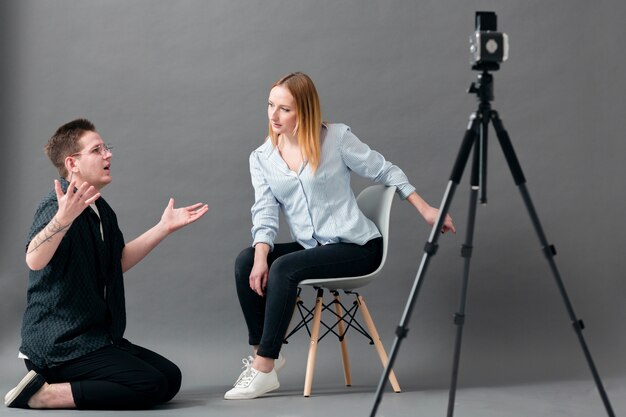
265,208
368,163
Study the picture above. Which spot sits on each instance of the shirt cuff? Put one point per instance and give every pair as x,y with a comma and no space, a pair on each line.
264,239
405,190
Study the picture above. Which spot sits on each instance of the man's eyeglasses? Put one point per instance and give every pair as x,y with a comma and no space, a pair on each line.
97,150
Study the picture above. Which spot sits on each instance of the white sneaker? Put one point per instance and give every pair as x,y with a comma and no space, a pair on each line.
247,365
279,363
252,384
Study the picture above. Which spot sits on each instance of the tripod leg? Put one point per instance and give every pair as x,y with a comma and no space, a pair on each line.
484,134
466,253
549,250
430,248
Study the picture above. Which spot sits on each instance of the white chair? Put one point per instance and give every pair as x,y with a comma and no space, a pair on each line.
375,202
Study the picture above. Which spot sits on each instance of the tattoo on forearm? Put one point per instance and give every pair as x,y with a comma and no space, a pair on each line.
53,228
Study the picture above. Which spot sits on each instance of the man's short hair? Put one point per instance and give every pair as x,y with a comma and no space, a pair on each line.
65,142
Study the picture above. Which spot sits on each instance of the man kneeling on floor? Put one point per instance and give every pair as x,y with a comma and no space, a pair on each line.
73,327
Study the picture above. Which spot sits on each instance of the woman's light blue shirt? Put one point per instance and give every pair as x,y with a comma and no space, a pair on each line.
319,208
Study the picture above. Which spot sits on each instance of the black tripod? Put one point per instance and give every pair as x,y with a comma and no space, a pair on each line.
476,137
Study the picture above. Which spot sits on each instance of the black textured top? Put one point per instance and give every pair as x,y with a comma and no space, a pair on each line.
75,305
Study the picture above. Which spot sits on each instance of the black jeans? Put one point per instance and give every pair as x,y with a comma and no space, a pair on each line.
116,377
268,317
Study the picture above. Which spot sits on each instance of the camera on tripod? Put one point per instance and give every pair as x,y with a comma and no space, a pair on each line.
488,47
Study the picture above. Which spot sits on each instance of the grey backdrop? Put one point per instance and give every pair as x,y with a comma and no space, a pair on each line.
179,88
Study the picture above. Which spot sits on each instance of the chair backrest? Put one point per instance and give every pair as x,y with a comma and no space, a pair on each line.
375,202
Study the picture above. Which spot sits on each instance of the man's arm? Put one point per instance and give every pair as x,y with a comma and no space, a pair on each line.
44,245
171,220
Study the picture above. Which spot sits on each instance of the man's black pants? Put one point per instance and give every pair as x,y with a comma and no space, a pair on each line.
116,377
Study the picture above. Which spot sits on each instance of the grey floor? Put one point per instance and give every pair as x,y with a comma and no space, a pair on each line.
552,399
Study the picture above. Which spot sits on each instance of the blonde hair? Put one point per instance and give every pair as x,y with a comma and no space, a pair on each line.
309,116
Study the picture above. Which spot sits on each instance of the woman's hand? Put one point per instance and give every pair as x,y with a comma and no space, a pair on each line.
430,215
260,270
258,276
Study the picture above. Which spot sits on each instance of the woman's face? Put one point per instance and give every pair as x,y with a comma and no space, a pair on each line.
281,111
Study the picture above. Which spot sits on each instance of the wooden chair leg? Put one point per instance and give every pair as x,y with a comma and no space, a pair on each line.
315,332
377,343
345,359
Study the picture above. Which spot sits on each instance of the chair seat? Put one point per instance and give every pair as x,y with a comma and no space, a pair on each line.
346,283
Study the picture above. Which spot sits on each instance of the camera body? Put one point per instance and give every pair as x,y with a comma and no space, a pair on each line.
488,47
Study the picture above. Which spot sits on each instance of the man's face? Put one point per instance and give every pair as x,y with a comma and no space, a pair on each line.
93,162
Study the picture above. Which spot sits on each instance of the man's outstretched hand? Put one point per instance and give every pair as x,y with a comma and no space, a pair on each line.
176,218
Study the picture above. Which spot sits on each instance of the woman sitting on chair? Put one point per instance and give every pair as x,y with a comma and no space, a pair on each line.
304,169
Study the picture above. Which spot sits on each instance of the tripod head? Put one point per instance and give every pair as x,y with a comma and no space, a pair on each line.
483,88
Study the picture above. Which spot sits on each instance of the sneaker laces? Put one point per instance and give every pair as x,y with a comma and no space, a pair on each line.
246,377
247,365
